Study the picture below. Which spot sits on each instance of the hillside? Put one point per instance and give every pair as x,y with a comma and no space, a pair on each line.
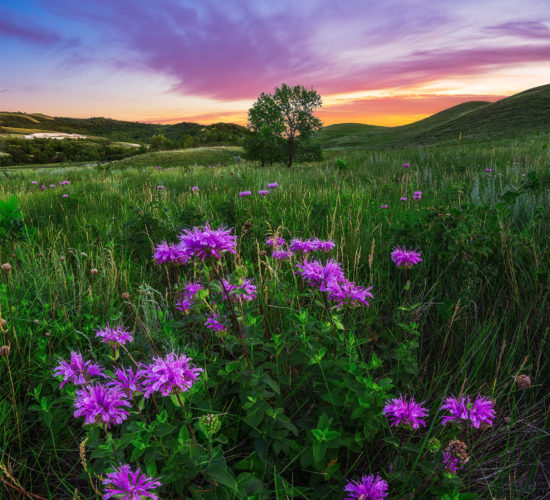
524,113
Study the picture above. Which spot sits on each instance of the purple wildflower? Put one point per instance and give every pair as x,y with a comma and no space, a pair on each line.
34,182
160,188
406,412
417,195
127,379
317,274
406,165
347,292
65,196
245,291
245,193
157,168
195,188
488,170
263,192
370,487
131,485
282,254
403,198
275,242
188,296
170,374
477,413
322,245
406,258
99,404
78,371
301,246
170,252
213,322
383,207
206,242
273,185
450,462
42,187
52,185
114,336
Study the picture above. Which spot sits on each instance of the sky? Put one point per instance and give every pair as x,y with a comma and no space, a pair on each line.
381,62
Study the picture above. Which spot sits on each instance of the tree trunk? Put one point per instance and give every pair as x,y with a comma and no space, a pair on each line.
290,152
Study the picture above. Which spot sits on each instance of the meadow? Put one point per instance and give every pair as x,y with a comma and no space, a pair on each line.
291,397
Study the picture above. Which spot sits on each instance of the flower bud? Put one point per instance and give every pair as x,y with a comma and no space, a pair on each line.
125,296
523,381
5,350
94,271
6,267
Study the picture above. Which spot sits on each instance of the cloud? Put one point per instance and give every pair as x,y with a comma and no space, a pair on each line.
523,29
26,33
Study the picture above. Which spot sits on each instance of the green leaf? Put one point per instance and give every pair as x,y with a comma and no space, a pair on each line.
222,475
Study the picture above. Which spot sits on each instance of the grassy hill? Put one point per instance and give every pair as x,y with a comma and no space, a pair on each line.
521,114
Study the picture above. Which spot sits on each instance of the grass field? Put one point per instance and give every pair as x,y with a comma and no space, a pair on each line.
306,414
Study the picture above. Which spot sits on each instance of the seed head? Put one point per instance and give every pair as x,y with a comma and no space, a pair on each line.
458,449
523,381
3,323
5,350
62,259
125,296
94,271
40,255
6,267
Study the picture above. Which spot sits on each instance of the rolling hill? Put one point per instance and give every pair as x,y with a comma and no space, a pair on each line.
521,114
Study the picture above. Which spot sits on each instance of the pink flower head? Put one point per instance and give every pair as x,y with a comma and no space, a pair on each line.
207,242
347,292
65,196
406,258
273,185
52,185
78,371
214,323
127,380
369,488
451,463
317,274
322,245
170,252
383,207
34,182
157,168
245,193
244,292
488,170
160,188
463,410
195,188
99,404
406,165
42,187
169,375
417,195
114,336
188,296
403,198
282,254
263,192
298,245
275,242
406,412
128,485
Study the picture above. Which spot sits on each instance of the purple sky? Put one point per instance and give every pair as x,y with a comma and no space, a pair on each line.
379,62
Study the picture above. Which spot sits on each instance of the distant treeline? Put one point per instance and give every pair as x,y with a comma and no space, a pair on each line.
22,151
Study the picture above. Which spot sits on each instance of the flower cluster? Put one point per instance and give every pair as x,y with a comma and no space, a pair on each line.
282,254
477,413
207,242
213,322
100,404
243,292
188,296
263,192
245,193
170,252
275,242
114,336
125,484
406,258
78,371
370,487
127,379
406,412
417,195
298,245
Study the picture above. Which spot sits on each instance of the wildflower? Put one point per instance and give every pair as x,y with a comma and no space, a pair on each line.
127,379
170,252
462,409
370,487
301,246
195,188
523,381
213,322
6,267
188,296
245,291
78,371
403,198
114,336
5,350
42,187
125,296
488,170
52,185
99,404
383,207
406,165
210,424
455,456
160,188
405,258
131,485
34,182
322,245
273,185
94,271
206,242
275,242
417,195
282,254
347,292
317,274
407,412
245,193
263,192
157,168
170,374
65,196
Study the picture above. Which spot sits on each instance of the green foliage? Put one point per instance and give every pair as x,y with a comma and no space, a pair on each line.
12,224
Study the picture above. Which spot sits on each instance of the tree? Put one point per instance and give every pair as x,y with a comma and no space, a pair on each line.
282,124
157,142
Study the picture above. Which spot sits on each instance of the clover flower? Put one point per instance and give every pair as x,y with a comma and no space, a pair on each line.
127,379
347,292
370,487
263,192
406,412
246,291
131,485
207,242
463,410
282,254
273,185
169,375
319,275
245,193
114,336
100,404
213,322
275,242
78,371
189,295
170,252
405,258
